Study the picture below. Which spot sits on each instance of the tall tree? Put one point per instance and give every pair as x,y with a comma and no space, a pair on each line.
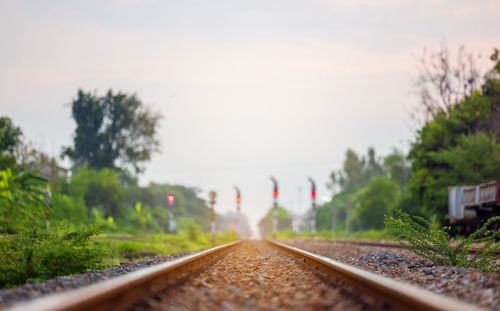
397,167
373,202
357,171
457,147
115,131
10,137
352,176
444,81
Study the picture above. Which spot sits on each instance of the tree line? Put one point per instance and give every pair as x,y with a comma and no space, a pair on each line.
457,142
50,215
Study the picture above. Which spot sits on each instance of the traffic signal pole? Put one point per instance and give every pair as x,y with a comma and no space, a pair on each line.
239,222
171,203
275,206
313,202
238,199
213,196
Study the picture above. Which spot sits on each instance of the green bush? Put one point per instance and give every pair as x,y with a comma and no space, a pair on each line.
23,198
36,254
100,189
372,203
417,235
67,208
226,237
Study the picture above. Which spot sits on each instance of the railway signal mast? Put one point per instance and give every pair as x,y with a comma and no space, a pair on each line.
239,222
313,202
171,203
213,195
238,199
275,206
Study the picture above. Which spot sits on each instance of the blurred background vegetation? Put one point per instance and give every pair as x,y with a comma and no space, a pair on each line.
52,218
457,134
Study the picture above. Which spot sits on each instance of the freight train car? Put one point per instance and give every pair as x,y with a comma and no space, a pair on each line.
469,207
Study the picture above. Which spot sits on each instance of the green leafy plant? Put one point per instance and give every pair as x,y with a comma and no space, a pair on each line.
36,254
23,196
416,234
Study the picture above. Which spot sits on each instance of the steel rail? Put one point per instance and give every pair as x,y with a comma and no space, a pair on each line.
399,295
123,291
473,250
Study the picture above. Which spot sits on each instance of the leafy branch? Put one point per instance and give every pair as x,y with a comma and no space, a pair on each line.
417,235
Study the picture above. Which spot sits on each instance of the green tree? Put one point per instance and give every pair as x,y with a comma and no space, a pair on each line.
10,137
397,167
372,168
474,159
266,223
456,147
356,173
29,158
373,202
114,131
101,190
352,175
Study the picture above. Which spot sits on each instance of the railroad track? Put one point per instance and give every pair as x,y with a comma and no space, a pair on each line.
389,245
248,274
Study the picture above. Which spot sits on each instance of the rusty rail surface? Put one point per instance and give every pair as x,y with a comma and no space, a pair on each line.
473,250
399,295
123,291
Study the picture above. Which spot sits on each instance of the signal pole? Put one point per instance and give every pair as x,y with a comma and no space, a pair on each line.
239,225
171,203
275,206
213,195
313,202
238,199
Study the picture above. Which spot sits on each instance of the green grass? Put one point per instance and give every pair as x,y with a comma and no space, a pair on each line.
327,234
119,245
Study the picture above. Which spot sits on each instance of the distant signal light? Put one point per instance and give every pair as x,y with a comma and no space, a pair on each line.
238,200
275,193
313,194
171,198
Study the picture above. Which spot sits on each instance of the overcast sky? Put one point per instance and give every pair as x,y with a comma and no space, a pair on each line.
248,89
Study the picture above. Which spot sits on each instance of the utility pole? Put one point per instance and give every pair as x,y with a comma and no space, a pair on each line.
213,195
171,203
239,222
275,206
313,202
238,199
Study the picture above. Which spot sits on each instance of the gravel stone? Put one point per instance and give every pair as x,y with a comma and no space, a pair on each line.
471,285
10,296
285,284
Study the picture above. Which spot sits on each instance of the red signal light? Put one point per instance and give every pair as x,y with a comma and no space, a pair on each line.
275,193
313,194
238,199
171,198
